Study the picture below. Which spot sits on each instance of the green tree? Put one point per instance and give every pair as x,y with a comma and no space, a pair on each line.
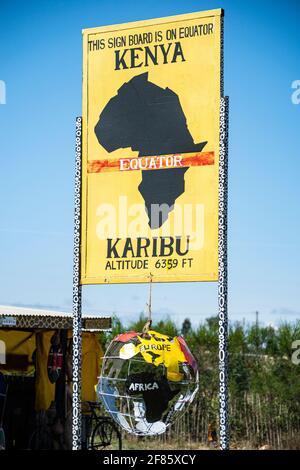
186,327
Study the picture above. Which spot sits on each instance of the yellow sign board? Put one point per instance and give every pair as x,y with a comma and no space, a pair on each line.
150,143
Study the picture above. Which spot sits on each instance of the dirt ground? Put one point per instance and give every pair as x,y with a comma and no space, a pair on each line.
133,443
148,444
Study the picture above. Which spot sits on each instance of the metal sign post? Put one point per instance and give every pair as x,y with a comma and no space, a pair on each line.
222,283
77,321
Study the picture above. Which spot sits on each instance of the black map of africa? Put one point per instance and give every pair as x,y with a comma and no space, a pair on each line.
150,120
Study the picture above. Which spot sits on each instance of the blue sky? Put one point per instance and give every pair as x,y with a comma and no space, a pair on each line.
41,62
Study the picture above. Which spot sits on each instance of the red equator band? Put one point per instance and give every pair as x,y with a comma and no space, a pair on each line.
157,162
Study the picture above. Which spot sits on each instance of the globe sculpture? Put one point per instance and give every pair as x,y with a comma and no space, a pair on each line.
147,381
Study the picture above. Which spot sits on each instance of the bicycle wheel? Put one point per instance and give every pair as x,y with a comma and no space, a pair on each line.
106,436
40,439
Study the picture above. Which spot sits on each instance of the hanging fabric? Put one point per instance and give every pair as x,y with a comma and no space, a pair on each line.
55,358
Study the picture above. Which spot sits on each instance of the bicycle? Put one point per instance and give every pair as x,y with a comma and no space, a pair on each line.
104,434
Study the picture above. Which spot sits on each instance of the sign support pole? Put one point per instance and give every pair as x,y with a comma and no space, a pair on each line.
77,320
223,277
